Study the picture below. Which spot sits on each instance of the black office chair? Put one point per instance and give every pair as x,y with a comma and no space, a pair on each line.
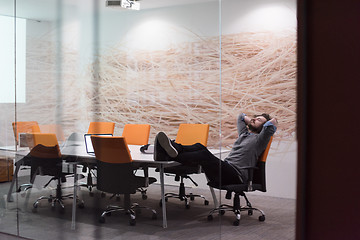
256,182
115,174
46,159
137,134
182,172
187,134
24,127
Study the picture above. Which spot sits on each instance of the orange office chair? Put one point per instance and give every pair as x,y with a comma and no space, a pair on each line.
137,134
53,128
46,139
96,128
255,182
45,157
24,127
188,134
116,174
101,128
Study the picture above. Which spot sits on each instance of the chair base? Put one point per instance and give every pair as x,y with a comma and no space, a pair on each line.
184,197
130,210
236,209
58,199
143,193
25,186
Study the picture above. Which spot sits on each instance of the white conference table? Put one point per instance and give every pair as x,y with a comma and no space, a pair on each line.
75,153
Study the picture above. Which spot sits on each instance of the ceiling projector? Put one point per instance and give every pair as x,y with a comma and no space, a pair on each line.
128,4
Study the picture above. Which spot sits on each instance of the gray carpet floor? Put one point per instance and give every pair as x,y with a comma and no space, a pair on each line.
18,218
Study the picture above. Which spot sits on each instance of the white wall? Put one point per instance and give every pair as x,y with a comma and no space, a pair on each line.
161,28
258,15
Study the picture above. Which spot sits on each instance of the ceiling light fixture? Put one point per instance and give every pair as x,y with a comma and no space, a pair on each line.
128,4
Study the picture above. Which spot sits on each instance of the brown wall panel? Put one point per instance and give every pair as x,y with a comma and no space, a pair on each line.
328,92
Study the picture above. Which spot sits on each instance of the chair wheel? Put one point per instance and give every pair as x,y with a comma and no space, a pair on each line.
250,212
222,212
102,219
132,222
187,206
206,202
192,198
236,222
261,218
144,197
81,205
210,218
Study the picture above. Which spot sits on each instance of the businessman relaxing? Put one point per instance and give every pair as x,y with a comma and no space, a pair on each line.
253,137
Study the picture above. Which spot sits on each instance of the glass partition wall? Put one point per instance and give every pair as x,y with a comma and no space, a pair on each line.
70,63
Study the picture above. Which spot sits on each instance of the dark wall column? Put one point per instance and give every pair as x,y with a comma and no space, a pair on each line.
328,201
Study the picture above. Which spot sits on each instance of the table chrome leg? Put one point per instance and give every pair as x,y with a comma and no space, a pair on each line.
73,216
216,204
15,176
163,195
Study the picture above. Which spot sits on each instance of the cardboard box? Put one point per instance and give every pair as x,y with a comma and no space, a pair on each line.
6,169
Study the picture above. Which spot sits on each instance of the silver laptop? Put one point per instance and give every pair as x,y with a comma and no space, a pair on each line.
88,142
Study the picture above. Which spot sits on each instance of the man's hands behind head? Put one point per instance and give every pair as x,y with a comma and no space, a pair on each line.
274,122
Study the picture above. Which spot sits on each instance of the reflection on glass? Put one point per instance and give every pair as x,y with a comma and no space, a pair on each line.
197,62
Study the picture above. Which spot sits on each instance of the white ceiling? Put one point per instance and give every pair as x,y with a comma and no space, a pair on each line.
46,9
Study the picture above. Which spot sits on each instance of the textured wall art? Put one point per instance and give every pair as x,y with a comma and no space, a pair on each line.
164,88
185,85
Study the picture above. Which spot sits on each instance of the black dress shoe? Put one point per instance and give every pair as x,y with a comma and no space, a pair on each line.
160,153
165,143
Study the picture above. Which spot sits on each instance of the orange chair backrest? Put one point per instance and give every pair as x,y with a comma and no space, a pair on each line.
45,139
25,127
136,134
189,134
53,128
264,155
111,149
101,128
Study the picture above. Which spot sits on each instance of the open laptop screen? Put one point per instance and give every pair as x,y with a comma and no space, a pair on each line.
88,143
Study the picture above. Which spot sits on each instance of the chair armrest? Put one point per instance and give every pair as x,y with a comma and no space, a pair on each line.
250,176
248,167
250,180
146,175
200,170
